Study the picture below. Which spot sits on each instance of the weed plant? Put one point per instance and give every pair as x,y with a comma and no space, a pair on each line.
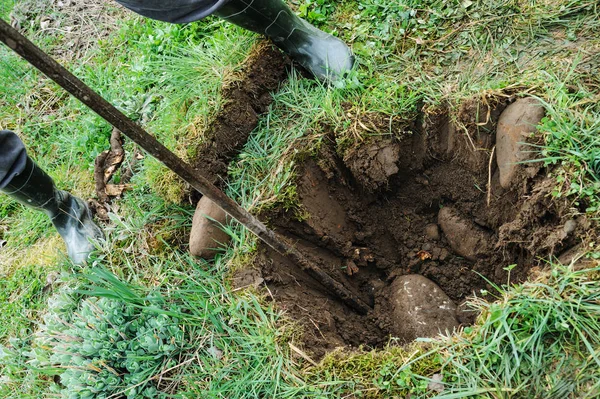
108,347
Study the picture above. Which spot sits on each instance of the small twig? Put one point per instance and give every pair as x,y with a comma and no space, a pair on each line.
302,354
489,190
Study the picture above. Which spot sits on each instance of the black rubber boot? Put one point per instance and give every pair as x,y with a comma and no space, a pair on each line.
69,214
325,56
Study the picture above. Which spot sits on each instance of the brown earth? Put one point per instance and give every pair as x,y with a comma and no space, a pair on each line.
426,201
415,204
244,101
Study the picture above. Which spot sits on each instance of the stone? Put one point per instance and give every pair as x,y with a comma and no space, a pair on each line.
432,231
465,314
420,309
207,237
575,258
444,254
465,237
515,126
570,226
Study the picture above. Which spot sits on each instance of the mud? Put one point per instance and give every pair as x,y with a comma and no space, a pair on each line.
244,101
415,204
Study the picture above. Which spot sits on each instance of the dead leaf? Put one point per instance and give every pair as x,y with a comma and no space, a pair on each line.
423,255
115,190
112,164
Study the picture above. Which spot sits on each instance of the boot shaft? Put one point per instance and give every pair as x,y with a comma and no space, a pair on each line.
272,18
70,215
34,188
327,57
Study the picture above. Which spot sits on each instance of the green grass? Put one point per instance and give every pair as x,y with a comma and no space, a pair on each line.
537,340
22,299
572,131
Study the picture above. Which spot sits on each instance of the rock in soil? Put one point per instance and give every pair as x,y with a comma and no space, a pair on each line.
420,308
465,237
207,237
432,231
436,383
516,125
246,278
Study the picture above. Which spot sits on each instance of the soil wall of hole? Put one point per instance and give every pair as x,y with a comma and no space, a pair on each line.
428,202
415,204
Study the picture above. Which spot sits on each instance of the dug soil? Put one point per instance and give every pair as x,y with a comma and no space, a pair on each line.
414,202
424,204
244,101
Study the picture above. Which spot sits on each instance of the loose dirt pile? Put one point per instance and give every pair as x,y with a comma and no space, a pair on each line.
415,224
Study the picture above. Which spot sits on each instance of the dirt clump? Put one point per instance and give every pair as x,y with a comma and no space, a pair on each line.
406,205
374,163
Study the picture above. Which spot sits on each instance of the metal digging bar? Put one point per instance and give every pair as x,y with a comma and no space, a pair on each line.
29,51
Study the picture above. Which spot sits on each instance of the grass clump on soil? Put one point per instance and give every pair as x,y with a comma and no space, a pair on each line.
572,132
540,339
393,371
263,174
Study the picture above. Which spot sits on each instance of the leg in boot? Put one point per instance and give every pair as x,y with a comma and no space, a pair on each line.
325,56
22,180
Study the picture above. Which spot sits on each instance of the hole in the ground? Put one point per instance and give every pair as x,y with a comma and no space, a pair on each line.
408,223
410,226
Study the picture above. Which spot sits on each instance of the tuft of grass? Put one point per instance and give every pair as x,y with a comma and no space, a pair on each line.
22,298
262,174
572,132
540,339
393,371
